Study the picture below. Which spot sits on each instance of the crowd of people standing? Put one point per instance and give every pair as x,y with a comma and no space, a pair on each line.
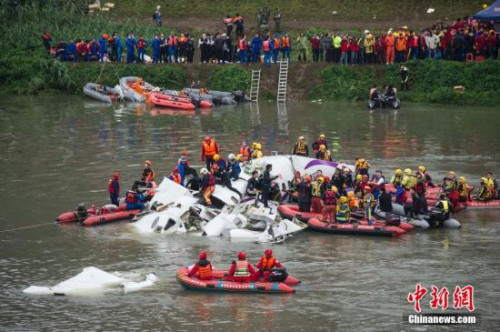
464,40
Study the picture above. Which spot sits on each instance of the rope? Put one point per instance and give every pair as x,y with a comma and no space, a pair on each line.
102,69
26,227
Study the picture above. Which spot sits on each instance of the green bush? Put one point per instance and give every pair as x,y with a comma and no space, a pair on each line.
430,81
230,78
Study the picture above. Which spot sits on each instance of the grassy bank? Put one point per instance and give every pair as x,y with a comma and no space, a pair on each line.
317,9
430,81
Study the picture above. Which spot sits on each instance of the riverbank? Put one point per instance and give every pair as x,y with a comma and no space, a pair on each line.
430,81
26,68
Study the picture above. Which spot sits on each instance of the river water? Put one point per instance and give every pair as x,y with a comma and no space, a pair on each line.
59,151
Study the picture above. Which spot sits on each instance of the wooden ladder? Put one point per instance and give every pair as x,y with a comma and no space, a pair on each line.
282,81
254,87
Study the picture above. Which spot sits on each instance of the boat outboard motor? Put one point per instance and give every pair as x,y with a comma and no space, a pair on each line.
278,274
392,220
436,217
81,213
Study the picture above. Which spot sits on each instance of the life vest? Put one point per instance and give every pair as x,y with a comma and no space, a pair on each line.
342,213
300,148
353,203
462,190
409,181
245,153
242,269
243,45
277,43
330,198
484,192
446,206
267,263
236,19
210,149
141,44
175,178
368,198
172,41
265,46
205,272
148,175
111,187
286,42
401,44
130,198
256,154
397,179
182,40
324,155
316,189
491,183
450,185
362,164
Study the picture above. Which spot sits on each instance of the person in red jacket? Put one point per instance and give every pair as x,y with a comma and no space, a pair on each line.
241,270
114,189
315,41
202,269
266,263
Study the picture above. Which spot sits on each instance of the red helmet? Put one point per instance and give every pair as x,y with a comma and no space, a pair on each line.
268,252
203,255
242,256
116,176
207,138
184,153
176,170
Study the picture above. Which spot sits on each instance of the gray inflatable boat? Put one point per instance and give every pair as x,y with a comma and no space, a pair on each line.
417,223
130,94
100,92
448,223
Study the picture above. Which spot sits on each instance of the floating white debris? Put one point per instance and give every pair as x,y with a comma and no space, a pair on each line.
430,10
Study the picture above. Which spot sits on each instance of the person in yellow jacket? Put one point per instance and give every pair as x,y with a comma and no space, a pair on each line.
362,166
463,191
484,191
492,183
409,180
343,211
300,148
397,178
257,151
369,45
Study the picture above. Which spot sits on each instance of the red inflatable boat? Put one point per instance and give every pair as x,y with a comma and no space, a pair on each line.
171,101
479,205
218,284
361,229
224,275
98,215
291,211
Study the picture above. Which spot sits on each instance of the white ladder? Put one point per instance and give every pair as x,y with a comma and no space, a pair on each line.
282,82
254,87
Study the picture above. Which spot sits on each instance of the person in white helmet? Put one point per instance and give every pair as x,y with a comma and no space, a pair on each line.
233,166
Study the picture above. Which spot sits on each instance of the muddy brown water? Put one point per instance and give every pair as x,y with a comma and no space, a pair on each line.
59,151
